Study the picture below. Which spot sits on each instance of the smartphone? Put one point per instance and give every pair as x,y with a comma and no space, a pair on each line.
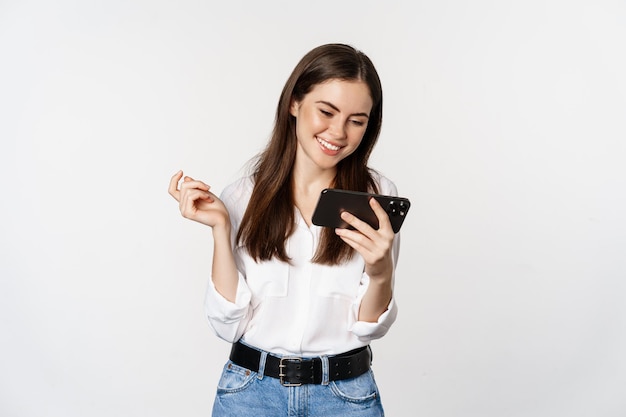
332,202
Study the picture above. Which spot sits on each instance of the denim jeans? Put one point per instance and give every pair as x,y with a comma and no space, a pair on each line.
241,392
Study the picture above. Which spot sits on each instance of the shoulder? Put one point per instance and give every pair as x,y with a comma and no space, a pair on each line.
241,188
385,185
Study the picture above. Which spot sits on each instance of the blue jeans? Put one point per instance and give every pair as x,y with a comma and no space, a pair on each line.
241,392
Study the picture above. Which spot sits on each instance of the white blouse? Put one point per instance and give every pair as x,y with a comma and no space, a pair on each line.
302,309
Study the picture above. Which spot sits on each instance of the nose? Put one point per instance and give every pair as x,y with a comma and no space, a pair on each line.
337,129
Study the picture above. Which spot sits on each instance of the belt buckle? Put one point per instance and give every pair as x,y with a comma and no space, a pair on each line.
282,374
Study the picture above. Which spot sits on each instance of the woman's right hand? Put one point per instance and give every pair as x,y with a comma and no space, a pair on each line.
196,202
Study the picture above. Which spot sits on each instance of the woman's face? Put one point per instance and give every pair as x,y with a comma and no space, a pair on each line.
331,121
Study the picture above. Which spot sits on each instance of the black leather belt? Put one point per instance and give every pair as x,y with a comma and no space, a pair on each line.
294,371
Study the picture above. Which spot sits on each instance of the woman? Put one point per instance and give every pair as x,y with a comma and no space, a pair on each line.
299,302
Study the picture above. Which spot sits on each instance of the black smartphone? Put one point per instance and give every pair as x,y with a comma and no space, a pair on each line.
333,202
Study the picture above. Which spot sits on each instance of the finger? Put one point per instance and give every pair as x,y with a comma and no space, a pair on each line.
371,252
188,201
188,184
188,179
381,214
355,240
173,187
194,194
211,197
357,223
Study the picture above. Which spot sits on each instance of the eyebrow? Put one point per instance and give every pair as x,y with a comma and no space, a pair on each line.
337,109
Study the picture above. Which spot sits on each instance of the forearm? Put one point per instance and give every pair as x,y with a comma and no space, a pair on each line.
224,270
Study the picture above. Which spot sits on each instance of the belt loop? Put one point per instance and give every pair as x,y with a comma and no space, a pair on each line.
325,371
262,362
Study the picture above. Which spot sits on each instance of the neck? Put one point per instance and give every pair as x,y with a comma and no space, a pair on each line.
311,182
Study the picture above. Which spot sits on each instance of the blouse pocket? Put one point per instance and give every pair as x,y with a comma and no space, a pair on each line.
341,281
264,278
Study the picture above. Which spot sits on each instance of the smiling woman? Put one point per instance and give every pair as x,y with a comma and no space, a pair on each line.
269,260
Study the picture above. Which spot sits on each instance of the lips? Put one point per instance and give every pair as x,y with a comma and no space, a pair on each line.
327,145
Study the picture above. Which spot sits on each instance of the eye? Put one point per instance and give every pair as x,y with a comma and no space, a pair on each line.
358,122
326,113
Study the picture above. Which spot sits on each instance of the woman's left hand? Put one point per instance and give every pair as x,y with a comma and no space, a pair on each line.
373,245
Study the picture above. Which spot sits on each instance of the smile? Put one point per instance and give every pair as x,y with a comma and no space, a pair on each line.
327,145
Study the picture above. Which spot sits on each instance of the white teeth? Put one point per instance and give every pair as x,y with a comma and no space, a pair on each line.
328,145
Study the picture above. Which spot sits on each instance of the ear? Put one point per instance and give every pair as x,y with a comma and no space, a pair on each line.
293,107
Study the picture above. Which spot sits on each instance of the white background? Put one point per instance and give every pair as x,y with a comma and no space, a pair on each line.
504,124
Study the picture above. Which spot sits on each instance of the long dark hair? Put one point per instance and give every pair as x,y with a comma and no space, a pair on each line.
269,217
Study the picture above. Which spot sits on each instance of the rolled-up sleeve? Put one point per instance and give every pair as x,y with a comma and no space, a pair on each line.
368,331
227,319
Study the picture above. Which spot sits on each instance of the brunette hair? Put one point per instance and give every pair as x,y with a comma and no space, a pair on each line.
269,218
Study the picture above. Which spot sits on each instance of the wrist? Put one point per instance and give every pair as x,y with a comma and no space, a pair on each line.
221,230
380,276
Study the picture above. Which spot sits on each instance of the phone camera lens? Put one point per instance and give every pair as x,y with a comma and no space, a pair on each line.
402,208
392,209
